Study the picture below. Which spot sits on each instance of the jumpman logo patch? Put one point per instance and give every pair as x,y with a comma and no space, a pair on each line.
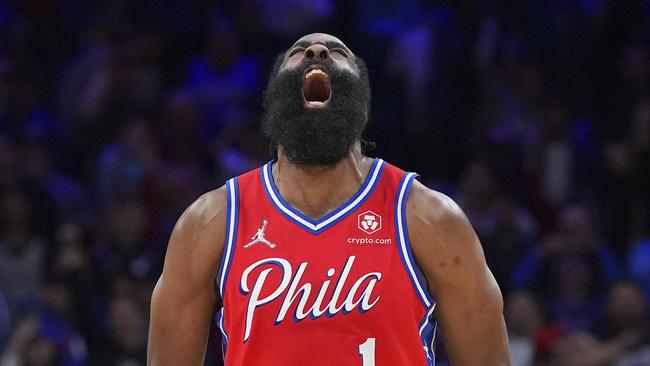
259,237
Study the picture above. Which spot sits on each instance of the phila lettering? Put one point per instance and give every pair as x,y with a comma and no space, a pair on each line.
359,296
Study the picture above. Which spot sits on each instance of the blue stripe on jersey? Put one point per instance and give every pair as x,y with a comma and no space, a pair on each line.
224,337
232,221
427,325
405,245
427,330
317,226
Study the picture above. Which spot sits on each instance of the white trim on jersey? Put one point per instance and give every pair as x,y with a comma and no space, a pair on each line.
427,334
403,241
233,211
318,225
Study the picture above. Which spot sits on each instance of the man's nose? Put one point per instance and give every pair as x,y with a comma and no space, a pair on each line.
317,51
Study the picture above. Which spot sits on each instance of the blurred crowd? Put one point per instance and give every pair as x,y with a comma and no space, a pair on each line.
533,115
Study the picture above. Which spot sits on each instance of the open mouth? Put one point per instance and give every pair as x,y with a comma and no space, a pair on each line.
316,88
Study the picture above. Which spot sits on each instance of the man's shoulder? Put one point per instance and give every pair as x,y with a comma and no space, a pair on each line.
206,215
432,208
437,226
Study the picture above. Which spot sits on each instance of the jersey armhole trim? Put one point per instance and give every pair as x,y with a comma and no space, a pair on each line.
232,220
218,319
405,251
428,324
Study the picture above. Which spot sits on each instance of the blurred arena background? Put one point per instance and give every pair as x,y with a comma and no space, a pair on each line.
115,115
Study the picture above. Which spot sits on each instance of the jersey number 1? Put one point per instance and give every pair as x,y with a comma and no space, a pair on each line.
367,352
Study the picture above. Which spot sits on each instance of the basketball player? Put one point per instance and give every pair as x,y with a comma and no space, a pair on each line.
325,256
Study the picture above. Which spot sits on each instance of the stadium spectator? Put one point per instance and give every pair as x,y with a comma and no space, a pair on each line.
22,253
524,319
127,335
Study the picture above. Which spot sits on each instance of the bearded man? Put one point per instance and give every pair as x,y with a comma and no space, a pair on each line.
325,256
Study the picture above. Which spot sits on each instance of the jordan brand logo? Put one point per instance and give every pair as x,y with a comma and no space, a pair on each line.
259,237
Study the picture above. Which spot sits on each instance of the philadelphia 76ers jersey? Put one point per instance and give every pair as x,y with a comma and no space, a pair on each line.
340,290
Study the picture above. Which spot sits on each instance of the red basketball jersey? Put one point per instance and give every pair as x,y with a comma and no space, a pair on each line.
340,290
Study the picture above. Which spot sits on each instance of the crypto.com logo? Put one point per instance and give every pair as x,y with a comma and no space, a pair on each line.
369,222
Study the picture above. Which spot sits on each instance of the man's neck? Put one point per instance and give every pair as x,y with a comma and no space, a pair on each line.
318,190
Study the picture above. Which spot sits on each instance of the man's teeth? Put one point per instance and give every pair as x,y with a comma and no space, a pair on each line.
315,72
315,102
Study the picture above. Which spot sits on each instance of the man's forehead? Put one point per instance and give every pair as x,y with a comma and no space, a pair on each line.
324,38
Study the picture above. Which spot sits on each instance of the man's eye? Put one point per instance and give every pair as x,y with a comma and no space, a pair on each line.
339,51
294,51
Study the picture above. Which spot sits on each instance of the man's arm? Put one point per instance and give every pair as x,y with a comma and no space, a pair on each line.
469,303
185,296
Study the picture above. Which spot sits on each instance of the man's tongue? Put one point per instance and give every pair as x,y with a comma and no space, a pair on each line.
316,89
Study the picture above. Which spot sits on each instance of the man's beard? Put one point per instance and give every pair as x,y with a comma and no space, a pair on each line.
316,137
